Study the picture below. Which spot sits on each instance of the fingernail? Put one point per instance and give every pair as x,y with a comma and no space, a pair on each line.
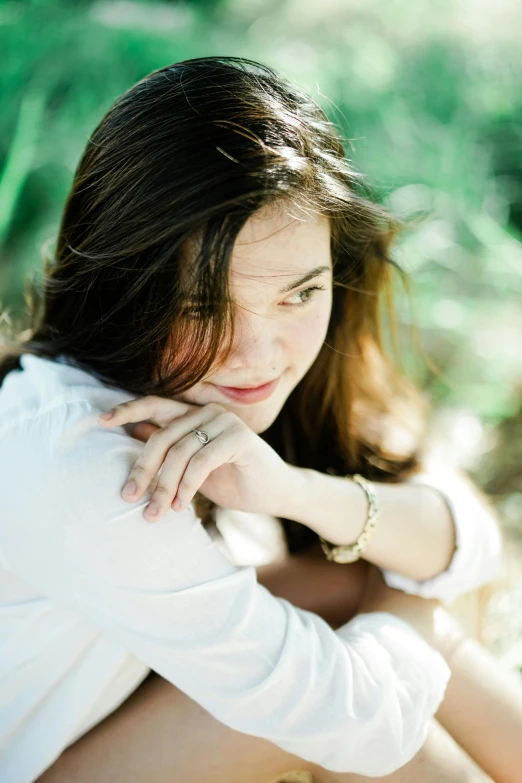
177,504
152,509
130,487
106,415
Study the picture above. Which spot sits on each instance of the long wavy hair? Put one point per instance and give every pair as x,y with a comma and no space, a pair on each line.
193,150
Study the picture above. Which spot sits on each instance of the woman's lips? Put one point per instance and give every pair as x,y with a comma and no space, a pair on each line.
249,395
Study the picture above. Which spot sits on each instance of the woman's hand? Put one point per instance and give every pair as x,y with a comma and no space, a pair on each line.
236,469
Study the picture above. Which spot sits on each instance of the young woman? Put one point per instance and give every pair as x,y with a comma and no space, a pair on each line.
216,240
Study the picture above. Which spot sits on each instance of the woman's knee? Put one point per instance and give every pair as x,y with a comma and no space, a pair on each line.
428,616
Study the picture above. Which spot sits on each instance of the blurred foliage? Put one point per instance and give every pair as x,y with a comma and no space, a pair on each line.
428,98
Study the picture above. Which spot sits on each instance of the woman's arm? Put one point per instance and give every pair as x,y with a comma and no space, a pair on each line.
167,594
478,554
435,536
436,539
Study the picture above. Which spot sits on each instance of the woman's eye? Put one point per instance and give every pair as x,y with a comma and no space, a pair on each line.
307,293
302,297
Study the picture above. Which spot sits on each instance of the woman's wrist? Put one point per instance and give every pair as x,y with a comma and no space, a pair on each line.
310,497
414,534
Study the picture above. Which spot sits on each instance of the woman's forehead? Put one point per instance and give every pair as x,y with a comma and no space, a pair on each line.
273,248
279,244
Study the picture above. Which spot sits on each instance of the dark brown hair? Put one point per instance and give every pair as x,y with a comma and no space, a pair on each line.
195,149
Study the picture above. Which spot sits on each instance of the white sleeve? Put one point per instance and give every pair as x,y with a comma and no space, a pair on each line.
478,553
356,700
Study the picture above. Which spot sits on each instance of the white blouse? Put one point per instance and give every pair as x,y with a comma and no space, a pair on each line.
92,597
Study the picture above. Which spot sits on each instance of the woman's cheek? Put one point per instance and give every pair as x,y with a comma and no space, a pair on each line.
307,334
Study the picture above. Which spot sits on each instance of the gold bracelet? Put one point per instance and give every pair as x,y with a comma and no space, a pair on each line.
352,552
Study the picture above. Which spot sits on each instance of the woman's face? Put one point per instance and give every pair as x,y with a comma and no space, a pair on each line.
280,323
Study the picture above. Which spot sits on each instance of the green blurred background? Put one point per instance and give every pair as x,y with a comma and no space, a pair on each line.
429,95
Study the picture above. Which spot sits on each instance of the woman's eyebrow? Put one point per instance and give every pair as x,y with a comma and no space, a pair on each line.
309,275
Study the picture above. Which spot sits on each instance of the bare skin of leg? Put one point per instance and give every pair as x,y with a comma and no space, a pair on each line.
482,706
159,735
485,721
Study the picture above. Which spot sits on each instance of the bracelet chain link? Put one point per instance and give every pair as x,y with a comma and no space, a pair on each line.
352,552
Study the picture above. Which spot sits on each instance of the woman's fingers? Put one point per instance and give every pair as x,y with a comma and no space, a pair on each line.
170,448
219,451
161,409
173,467
160,443
190,462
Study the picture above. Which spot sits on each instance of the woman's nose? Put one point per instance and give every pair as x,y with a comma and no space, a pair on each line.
257,342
